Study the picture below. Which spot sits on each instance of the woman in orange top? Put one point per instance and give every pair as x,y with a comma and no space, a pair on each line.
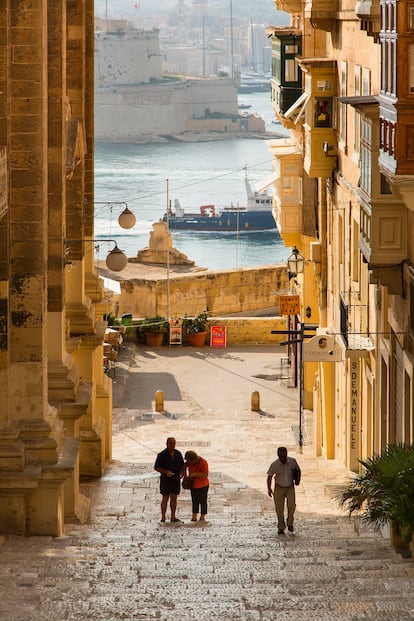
198,472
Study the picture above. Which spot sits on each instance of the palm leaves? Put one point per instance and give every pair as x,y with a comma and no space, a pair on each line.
383,492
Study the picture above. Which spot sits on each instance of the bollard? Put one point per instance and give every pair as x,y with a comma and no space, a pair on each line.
255,401
159,401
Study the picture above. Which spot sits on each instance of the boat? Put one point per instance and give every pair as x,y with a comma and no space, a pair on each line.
254,82
255,216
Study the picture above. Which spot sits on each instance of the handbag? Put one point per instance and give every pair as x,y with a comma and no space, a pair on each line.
187,483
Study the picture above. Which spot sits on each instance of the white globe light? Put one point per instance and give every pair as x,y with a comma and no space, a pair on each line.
126,219
116,260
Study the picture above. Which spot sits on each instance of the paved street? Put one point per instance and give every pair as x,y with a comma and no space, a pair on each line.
126,565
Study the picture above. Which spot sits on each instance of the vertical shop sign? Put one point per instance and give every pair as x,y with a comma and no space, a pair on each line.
355,396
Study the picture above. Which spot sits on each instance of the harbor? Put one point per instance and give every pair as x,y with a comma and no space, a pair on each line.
198,173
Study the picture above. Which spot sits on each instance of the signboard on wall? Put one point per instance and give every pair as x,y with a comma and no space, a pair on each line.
322,348
289,304
218,337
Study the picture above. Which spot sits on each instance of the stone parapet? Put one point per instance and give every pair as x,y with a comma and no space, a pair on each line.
219,292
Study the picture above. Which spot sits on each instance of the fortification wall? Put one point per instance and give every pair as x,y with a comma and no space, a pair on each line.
220,292
132,113
127,58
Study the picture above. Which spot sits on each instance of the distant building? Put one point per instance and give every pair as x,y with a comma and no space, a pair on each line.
135,102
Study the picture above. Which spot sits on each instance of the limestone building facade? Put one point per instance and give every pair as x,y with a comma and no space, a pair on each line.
343,84
55,417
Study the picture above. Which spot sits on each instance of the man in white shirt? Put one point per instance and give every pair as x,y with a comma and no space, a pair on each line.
287,473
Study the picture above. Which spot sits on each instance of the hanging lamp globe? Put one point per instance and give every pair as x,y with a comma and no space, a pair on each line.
116,260
126,219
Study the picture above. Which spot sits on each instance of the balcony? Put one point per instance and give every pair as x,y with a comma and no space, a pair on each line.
321,14
286,73
287,184
383,241
354,323
3,182
320,155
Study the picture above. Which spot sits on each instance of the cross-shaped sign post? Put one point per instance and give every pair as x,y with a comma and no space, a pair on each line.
299,336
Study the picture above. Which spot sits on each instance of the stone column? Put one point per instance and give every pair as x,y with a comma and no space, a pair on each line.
4,203
31,437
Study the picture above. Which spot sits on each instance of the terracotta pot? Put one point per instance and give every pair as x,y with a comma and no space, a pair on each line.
154,340
197,339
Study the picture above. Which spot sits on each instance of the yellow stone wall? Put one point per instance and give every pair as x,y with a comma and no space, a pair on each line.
250,330
220,292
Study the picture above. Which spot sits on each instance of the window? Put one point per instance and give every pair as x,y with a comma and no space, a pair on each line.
342,127
411,17
357,80
366,81
291,49
291,70
323,112
411,68
357,131
357,115
366,156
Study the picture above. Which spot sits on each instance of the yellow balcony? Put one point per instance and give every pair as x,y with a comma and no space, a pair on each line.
320,136
320,151
287,185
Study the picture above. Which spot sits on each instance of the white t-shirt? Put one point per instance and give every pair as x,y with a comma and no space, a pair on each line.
283,473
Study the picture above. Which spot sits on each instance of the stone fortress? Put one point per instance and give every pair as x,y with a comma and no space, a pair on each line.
135,102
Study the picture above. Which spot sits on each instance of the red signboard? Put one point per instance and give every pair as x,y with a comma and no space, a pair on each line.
218,336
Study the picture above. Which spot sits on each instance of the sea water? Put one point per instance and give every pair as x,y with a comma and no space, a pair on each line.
149,177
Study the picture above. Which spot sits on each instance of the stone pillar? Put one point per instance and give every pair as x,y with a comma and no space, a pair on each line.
31,435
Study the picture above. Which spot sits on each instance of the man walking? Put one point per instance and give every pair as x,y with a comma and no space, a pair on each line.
169,463
287,473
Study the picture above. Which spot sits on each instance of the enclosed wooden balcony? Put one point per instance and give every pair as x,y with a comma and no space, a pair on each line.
286,73
287,201
320,153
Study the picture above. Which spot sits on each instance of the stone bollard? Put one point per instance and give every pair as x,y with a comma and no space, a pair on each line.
159,401
255,401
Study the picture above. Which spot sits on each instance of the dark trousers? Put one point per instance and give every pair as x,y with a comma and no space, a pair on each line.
199,498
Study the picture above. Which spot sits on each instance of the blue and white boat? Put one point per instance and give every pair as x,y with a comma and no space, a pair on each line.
255,216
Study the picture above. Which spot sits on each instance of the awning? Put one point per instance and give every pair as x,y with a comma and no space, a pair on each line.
265,183
296,110
359,101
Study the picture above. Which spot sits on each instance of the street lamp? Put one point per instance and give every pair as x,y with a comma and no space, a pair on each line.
126,219
116,260
295,263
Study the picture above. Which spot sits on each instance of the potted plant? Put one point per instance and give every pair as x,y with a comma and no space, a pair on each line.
196,329
383,492
153,329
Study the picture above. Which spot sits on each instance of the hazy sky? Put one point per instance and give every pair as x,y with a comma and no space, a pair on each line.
263,11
